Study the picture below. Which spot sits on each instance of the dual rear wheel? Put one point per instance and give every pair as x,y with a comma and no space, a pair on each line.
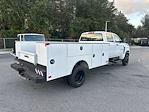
77,78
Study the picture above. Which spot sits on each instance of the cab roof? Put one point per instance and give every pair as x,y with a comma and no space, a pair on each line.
95,32
30,34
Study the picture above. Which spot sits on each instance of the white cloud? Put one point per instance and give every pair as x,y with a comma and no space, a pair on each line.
133,6
133,9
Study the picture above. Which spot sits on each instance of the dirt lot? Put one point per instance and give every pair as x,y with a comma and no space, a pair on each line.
112,88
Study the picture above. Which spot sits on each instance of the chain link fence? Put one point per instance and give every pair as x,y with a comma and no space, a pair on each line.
7,43
64,40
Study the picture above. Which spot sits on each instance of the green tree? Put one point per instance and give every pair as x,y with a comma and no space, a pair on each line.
143,31
61,18
145,25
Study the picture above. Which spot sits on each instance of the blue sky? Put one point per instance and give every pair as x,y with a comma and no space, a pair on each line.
135,19
134,10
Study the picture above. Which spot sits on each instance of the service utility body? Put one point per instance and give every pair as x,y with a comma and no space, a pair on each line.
43,61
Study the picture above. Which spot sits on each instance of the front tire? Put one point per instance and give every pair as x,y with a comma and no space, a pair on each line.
77,78
125,61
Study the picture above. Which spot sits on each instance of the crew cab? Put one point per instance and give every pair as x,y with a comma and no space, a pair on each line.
46,61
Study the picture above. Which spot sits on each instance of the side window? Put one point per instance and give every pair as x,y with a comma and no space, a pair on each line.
117,38
109,37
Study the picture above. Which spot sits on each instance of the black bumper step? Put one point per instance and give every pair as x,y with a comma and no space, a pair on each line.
17,67
28,74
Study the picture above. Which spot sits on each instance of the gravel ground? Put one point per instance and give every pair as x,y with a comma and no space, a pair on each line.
112,88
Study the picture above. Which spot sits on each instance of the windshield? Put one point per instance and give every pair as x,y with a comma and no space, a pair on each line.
34,38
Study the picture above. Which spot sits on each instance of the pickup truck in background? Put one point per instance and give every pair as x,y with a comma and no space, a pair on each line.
27,37
46,61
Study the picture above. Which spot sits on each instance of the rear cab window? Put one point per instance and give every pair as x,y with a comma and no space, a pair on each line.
92,37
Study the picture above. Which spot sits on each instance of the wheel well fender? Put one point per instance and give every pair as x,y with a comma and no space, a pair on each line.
81,63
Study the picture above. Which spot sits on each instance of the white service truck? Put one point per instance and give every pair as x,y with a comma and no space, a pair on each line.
46,61
28,37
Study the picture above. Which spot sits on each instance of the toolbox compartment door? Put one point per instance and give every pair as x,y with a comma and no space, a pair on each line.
29,57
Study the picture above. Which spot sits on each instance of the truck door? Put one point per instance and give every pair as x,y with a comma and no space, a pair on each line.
113,45
119,46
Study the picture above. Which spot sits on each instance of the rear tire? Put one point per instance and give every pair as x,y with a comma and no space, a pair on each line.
125,61
77,78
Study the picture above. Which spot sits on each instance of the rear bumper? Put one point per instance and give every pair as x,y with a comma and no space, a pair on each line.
28,74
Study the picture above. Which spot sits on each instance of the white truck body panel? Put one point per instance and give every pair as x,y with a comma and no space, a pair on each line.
74,49
105,58
17,48
29,57
65,57
97,54
25,46
42,54
59,53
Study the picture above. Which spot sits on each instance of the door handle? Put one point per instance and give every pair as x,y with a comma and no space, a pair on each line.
117,44
93,55
81,48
